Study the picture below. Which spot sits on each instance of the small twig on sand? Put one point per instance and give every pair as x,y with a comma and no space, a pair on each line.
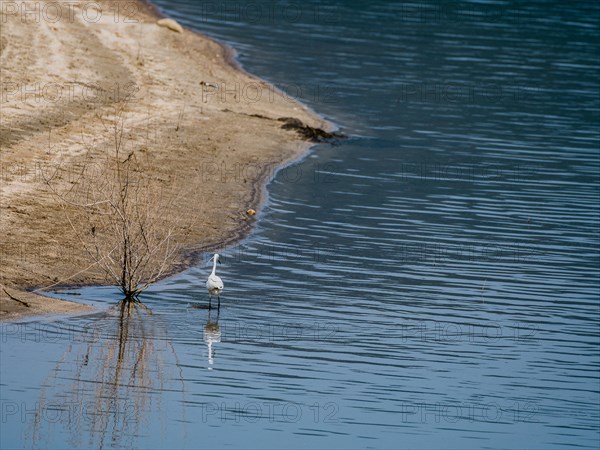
16,299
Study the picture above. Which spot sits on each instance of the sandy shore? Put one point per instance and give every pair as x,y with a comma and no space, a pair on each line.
208,131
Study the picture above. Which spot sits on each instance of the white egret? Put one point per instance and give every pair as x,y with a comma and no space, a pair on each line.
214,284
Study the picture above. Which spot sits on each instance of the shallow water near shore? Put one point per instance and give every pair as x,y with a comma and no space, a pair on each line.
431,282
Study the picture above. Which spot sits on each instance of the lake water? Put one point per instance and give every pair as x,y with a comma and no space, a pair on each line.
431,282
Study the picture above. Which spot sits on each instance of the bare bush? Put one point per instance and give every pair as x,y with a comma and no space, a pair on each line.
117,213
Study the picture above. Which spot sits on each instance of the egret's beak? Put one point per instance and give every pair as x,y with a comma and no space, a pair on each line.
219,260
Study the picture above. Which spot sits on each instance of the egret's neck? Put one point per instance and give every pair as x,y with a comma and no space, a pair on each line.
214,266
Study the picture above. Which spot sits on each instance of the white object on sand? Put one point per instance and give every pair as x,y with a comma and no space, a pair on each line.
170,24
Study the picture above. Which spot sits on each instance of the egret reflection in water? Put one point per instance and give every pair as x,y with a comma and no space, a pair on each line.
105,389
212,334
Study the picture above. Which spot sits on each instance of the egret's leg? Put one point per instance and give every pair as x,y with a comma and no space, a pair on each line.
219,304
209,300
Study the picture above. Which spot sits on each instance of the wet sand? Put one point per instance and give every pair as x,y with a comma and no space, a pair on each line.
206,132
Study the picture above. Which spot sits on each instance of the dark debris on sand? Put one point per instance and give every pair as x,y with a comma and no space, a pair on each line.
309,133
